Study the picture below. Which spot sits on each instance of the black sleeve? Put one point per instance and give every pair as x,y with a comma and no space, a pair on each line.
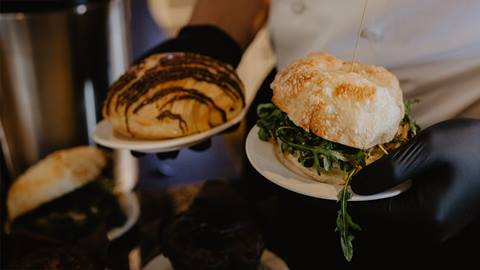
202,39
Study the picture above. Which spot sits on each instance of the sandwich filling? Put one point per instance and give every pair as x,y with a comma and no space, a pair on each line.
77,213
320,155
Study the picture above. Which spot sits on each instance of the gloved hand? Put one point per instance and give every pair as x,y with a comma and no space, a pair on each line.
443,162
201,39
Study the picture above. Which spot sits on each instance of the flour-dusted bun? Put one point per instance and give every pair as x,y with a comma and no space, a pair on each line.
57,174
360,107
173,94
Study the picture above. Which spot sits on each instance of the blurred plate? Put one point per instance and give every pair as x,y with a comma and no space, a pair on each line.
131,207
268,261
262,156
104,135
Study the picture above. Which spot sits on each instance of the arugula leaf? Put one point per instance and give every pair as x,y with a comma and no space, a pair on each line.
263,134
310,150
414,128
345,224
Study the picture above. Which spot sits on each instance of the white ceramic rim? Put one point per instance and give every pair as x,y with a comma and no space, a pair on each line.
104,135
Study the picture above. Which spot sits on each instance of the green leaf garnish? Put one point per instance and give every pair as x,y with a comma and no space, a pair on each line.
310,150
345,224
414,128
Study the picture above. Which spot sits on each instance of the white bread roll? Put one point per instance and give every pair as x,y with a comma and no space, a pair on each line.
320,93
57,174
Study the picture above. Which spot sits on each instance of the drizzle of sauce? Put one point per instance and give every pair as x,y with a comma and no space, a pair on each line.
123,81
185,94
230,87
175,59
168,114
153,78
173,67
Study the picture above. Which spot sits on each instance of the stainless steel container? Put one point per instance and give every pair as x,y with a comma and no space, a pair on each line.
55,68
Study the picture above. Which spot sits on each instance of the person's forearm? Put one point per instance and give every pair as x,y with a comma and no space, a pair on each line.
241,19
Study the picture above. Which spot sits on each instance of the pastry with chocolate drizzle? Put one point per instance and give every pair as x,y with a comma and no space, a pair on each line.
170,95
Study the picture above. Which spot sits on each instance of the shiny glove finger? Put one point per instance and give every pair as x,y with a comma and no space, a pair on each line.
453,143
392,170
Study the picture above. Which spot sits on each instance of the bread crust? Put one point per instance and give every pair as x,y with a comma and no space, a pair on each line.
170,95
359,108
57,174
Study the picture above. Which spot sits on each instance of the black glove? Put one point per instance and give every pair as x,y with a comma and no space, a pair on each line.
201,39
443,163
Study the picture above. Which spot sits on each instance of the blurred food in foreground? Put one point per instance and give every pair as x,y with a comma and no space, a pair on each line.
216,232
67,195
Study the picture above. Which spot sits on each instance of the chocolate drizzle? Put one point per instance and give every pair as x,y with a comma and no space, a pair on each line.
171,67
155,77
230,87
168,114
184,94
123,81
182,59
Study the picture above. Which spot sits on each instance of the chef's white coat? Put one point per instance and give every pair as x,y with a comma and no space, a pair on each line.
432,46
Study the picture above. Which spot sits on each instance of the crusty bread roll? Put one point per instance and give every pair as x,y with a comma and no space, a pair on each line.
359,108
57,174
173,94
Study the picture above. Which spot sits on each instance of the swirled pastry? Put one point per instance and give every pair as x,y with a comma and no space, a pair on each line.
173,94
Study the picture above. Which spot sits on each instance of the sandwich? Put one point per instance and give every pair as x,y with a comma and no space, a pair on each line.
330,117
65,196
170,95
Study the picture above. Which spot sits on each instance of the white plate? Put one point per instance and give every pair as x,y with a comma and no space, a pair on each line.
268,261
104,135
262,157
131,207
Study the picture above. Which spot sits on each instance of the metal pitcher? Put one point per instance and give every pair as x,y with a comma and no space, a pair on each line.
55,69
